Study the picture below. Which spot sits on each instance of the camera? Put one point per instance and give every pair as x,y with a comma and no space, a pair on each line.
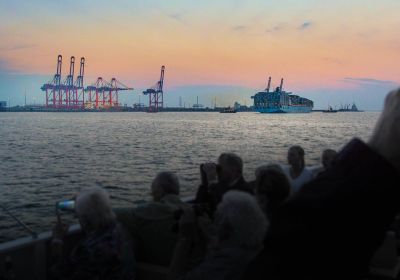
204,180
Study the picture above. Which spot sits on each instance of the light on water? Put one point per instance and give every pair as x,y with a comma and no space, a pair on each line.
47,157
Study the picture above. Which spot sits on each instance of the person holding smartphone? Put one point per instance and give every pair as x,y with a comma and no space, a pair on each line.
104,252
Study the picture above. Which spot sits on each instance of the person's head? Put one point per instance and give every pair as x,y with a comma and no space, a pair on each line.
93,208
239,220
328,157
296,156
163,184
264,167
230,167
272,188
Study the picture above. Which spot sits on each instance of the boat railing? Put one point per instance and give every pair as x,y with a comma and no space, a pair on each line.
30,256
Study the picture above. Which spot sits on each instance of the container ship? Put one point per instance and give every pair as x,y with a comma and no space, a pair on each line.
280,101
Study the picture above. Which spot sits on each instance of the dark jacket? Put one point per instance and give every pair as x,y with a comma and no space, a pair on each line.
333,226
212,195
152,227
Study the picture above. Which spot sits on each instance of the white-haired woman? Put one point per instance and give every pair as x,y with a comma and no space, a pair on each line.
240,227
104,252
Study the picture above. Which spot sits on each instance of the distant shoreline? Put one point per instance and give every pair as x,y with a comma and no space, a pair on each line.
120,109
131,109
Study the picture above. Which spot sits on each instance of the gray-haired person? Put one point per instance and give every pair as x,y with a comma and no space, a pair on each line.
105,251
240,227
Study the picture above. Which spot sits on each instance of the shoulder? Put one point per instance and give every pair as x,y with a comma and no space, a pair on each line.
285,169
248,187
121,211
124,215
306,170
309,172
154,210
131,217
316,170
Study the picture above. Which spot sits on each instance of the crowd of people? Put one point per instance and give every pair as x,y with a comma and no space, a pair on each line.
290,222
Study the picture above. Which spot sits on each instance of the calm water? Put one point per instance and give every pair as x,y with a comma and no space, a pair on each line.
46,157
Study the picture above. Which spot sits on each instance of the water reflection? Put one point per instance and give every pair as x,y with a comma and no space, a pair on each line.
48,156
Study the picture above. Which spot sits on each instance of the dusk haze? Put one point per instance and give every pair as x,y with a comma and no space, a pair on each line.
332,52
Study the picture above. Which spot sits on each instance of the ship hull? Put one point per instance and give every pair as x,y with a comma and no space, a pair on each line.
285,109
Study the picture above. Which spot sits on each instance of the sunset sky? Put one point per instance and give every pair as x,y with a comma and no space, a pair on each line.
330,51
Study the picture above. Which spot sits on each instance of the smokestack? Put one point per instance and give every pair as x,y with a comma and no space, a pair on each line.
281,86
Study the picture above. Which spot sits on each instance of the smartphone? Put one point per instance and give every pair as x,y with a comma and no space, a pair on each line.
66,205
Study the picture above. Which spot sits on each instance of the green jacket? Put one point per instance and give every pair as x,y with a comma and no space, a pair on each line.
153,228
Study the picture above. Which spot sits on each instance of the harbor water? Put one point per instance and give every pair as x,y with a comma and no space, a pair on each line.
48,157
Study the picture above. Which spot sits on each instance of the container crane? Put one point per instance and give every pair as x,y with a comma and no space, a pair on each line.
78,85
105,94
155,93
52,88
72,95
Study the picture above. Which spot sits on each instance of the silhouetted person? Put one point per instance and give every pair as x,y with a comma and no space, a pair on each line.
240,227
270,166
297,172
105,251
272,190
219,178
334,225
151,224
328,158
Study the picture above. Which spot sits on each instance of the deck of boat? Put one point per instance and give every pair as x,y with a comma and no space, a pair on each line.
30,257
